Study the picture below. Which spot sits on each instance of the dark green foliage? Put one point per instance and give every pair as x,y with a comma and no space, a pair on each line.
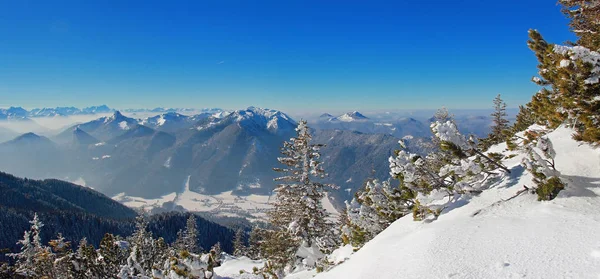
239,246
549,189
567,95
584,23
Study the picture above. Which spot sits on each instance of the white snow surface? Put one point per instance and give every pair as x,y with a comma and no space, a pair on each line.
487,238
230,267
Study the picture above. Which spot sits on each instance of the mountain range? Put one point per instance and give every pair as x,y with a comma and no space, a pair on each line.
217,151
221,152
19,113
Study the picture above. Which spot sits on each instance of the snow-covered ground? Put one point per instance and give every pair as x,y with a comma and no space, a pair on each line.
489,237
253,207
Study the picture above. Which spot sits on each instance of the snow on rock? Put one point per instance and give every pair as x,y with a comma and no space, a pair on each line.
489,238
123,125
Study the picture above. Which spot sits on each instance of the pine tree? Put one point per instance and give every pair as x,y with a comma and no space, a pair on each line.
239,249
85,262
584,21
110,254
500,126
570,80
62,265
298,207
542,167
139,262
255,241
34,260
190,235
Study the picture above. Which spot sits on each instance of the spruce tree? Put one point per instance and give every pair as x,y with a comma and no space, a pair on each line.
298,206
190,235
239,249
500,125
255,241
34,260
110,254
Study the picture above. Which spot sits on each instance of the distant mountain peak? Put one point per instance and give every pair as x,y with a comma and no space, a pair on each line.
82,137
29,135
118,117
352,116
325,115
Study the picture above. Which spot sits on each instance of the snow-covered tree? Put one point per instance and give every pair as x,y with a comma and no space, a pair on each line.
85,262
372,210
540,163
110,256
569,77
146,254
584,21
298,208
34,260
191,235
239,248
457,168
500,128
255,241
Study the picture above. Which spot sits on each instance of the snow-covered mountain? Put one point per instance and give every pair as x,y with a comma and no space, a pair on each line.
354,116
13,114
229,152
355,121
186,111
68,111
173,121
106,127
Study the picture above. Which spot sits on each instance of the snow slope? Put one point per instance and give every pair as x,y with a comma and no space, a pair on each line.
489,238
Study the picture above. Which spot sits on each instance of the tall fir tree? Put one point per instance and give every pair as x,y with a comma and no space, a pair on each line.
499,117
190,235
298,207
239,248
34,260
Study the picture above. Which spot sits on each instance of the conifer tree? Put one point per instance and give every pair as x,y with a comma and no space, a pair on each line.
110,254
570,75
298,211
62,249
500,125
298,206
255,241
584,21
540,163
139,261
190,235
34,260
239,249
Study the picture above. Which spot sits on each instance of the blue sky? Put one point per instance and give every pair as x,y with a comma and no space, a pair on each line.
290,55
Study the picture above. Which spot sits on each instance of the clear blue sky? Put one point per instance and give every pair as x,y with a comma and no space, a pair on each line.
289,55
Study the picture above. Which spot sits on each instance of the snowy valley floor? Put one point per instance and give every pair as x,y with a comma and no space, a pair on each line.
489,238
